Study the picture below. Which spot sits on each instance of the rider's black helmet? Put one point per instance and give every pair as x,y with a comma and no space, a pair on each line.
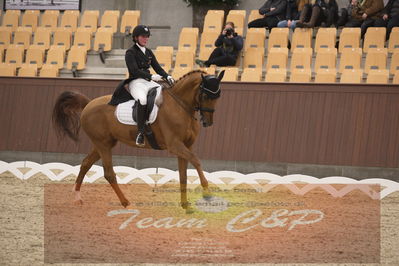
141,30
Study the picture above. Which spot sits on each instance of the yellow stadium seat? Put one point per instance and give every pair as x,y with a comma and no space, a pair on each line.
374,38
351,76
62,37
165,48
56,56
350,59
325,39
76,13
394,62
103,40
301,59
253,58
15,55
34,56
179,72
130,19
394,40
301,75
213,21
277,59
326,59
164,58
1,55
349,38
5,38
89,20
83,38
22,37
32,11
50,19
27,70
188,41
14,11
76,58
207,44
251,75
49,71
302,38
184,59
255,38
42,38
378,76
276,75
7,70
30,20
230,74
376,59
209,70
110,20
325,75
11,20
69,21
238,18
278,38
396,77
254,14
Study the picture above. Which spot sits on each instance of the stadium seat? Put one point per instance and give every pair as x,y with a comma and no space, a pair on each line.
165,48
92,12
5,38
14,11
188,40
7,70
30,19
1,55
301,59
35,56
325,39
277,59
350,59
255,38
89,20
83,38
351,76
238,18
76,59
325,75
62,37
230,74
179,72
253,58
276,75
374,38
376,59
22,37
251,75
49,71
69,21
209,70
32,11
300,75
214,20
11,20
42,38
110,20
394,62
302,38
184,59
103,40
278,38
50,19
393,40
76,13
130,19
395,79
254,14
56,56
207,44
378,76
349,38
164,58
27,70
326,59
15,55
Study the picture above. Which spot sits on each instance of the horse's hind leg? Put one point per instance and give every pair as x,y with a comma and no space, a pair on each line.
87,163
183,184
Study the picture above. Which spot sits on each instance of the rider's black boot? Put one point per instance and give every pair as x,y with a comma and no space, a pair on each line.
141,113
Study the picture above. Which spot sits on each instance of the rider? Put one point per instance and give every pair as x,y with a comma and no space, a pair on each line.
139,59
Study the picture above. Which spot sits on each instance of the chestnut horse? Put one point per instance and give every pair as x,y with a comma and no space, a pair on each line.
175,128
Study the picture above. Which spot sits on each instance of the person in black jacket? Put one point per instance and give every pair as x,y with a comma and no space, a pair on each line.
139,59
324,13
390,17
228,46
273,11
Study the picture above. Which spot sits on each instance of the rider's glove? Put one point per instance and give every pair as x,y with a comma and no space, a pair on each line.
156,77
171,81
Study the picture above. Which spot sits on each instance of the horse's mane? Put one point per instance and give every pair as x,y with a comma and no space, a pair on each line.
190,73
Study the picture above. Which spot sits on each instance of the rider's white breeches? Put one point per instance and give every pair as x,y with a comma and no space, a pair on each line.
139,88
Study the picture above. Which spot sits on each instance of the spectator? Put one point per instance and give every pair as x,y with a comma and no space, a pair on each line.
323,13
346,14
390,17
365,14
293,10
273,11
229,45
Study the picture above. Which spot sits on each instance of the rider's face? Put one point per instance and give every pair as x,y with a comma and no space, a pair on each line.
142,40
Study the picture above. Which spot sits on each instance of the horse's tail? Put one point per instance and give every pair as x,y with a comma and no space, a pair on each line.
66,114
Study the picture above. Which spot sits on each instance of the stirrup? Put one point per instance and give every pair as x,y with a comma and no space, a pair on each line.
140,140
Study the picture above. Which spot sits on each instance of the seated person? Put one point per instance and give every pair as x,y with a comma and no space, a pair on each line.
291,15
273,11
346,14
228,46
323,13
390,17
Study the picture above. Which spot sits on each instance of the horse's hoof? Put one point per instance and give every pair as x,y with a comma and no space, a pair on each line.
78,202
125,203
206,195
190,210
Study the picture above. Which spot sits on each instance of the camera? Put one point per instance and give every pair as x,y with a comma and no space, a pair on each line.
229,31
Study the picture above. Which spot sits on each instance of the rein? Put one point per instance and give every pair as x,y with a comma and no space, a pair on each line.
185,106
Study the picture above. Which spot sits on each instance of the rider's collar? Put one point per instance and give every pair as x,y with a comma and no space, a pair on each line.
142,48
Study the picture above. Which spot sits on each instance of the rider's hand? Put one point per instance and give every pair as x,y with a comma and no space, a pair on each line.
171,81
156,77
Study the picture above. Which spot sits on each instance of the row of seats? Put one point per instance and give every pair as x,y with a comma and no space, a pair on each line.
90,20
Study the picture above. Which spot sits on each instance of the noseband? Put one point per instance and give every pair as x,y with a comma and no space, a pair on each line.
210,94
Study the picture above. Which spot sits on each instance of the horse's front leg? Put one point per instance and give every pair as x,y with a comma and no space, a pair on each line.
183,184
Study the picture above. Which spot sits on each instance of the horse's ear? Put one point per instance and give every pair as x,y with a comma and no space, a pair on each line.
221,74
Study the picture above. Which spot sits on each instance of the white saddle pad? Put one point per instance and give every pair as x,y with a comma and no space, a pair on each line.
124,111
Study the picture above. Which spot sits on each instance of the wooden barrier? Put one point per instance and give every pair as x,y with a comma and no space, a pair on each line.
329,124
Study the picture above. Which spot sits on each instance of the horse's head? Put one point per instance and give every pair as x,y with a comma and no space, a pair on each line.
208,95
